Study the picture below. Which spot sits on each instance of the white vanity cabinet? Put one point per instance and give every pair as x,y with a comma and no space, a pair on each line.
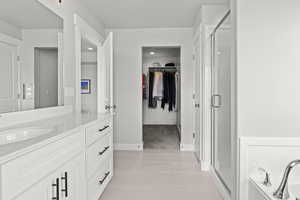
64,184
76,166
40,190
72,179
99,157
35,173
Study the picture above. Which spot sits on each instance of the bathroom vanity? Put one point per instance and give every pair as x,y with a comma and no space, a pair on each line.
53,144
72,160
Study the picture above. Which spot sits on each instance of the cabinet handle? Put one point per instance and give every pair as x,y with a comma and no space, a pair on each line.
56,186
105,149
65,179
105,177
102,129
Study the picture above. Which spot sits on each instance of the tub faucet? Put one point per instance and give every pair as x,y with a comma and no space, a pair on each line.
282,191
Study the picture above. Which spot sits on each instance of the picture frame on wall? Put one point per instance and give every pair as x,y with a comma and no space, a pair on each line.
85,86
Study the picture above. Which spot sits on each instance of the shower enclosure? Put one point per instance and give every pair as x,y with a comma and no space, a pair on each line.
221,43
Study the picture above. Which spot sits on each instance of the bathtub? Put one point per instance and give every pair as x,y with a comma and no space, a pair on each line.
258,191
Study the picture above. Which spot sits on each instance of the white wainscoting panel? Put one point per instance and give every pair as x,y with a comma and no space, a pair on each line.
272,154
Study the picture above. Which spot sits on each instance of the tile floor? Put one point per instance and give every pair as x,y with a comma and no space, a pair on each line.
161,137
159,175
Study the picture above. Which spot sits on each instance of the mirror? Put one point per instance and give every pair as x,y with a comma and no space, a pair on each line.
88,76
31,59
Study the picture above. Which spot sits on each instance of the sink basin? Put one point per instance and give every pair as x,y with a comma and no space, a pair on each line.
21,134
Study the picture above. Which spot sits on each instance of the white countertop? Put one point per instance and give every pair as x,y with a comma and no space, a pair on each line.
62,126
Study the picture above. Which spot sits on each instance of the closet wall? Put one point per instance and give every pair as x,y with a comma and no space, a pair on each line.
163,55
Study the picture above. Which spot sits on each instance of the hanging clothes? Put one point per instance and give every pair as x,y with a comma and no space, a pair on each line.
152,102
158,85
144,78
169,92
177,90
170,65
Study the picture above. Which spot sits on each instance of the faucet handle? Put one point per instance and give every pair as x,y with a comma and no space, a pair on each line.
267,178
267,181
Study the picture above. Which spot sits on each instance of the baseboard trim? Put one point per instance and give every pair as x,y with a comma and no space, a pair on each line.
205,165
221,188
186,147
128,147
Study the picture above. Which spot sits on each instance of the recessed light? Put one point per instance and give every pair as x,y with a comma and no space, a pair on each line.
90,49
152,53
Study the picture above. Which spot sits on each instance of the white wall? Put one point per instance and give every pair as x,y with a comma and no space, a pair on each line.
197,20
11,30
268,47
89,71
128,81
67,9
34,38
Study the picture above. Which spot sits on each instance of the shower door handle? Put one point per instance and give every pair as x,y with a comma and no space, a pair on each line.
216,101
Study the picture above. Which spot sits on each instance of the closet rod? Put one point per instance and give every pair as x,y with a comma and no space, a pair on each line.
162,69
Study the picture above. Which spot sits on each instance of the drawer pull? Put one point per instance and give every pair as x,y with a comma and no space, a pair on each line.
102,152
56,186
105,177
102,129
65,179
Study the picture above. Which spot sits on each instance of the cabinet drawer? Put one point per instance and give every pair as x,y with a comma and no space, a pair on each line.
98,183
21,173
98,152
94,132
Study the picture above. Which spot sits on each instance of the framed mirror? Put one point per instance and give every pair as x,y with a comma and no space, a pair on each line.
31,57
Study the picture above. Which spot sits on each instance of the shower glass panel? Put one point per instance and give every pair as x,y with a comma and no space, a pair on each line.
221,103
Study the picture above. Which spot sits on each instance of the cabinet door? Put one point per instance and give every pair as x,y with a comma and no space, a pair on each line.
47,189
106,68
72,179
67,183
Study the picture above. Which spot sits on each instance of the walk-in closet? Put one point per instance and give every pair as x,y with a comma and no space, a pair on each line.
161,98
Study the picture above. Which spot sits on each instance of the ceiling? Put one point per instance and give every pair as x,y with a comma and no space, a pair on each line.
86,45
147,13
29,14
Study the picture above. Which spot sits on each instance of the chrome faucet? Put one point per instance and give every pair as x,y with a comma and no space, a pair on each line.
282,191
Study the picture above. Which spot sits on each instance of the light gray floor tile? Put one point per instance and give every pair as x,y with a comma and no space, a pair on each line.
159,175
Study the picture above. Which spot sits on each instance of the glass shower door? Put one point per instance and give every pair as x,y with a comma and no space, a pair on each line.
221,105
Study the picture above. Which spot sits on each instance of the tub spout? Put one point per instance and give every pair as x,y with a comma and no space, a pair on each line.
282,191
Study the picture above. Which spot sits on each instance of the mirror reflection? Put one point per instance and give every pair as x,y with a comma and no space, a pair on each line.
88,76
31,38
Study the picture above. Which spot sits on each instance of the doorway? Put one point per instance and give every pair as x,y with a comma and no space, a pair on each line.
45,77
161,98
